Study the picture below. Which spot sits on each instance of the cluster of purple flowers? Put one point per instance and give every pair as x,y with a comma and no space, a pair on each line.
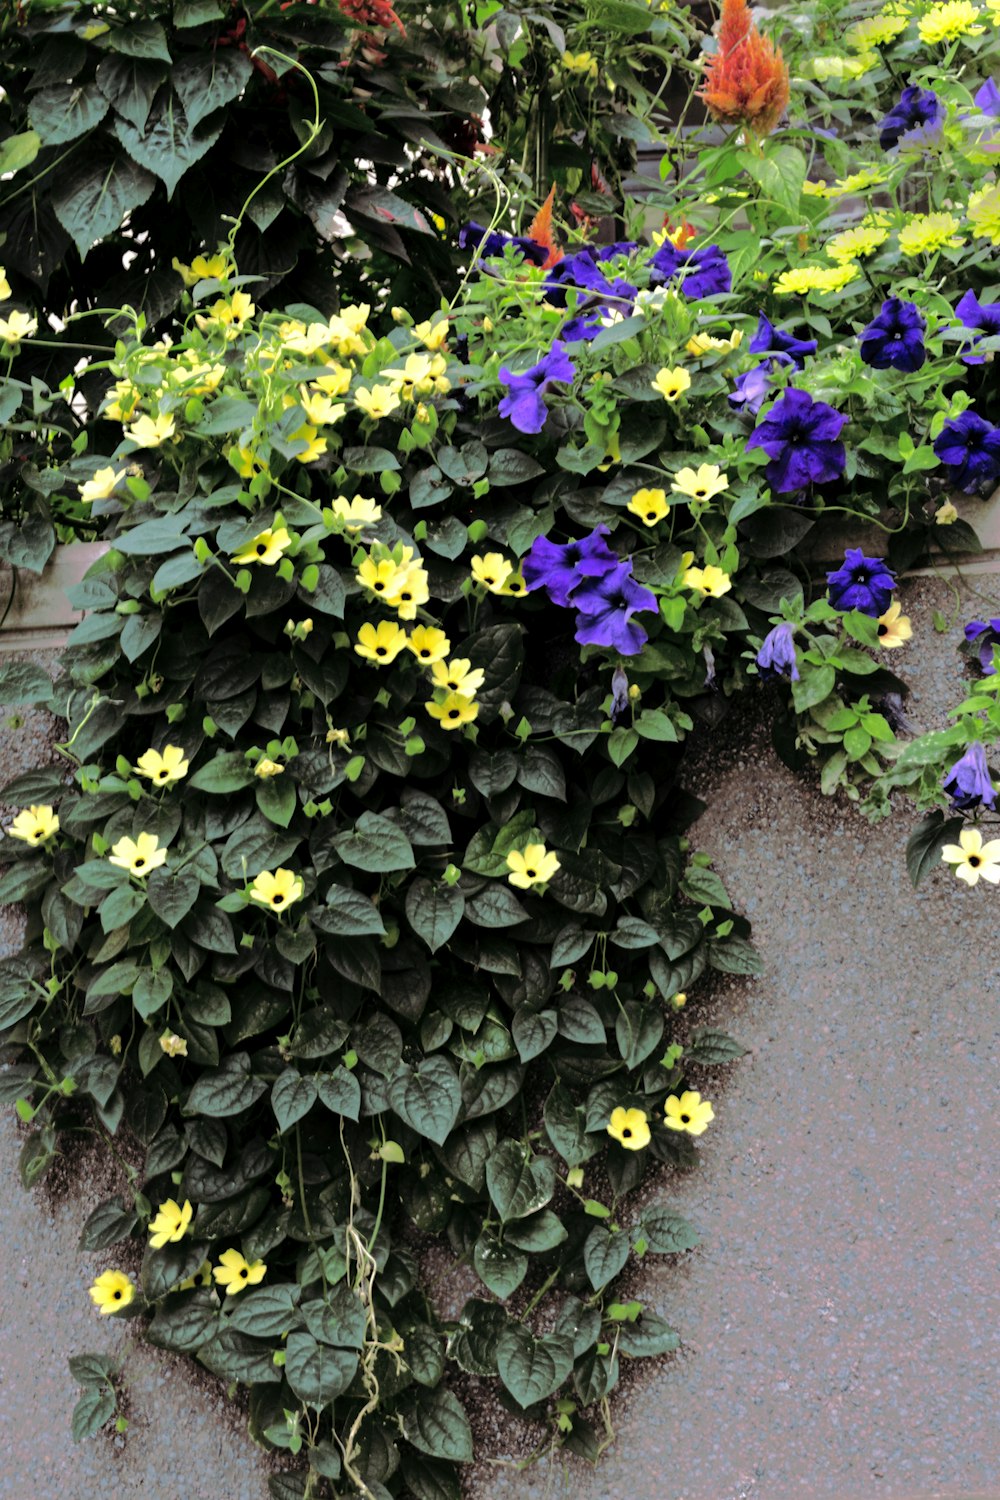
779,348
487,242
914,122
587,576
697,273
861,583
524,405
801,438
584,273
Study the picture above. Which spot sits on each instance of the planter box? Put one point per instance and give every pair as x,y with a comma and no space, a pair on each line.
40,616
828,540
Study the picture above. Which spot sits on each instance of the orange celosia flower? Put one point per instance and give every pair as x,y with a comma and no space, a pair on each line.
680,234
747,80
540,230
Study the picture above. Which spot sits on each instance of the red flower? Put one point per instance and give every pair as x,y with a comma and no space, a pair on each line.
372,13
747,80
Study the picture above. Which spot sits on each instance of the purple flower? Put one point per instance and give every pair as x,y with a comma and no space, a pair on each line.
776,657
968,782
620,247
606,606
982,317
559,569
574,272
487,242
801,438
895,338
862,583
586,327
988,99
778,342
915,120
524,406
987,635
970,447
752,389
699,273
619,694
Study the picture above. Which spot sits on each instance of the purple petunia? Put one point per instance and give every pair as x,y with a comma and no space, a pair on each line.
752,389
776,657
801,438
560,569
895,338
861,583
969,446
487,242
968,782
982,317
619,694
984,634
699,273
988,99
780,344
524,405
620,247
577,272
914,121
605,608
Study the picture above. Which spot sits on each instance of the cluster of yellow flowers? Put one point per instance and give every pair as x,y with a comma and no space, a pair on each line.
16,325
700,485
689,1113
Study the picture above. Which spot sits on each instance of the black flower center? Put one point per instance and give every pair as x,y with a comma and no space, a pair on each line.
974,861
379,587
261,548
424,652
685,1119
117,1296
883,630
139,863
380,650
244,1273
277,900
531,874
405,598
453,713
627,1133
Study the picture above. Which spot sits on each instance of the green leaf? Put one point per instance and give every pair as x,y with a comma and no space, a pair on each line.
666,1233
537,1234
318,1373
91,1369
207,79
498,1266
24,682
18,993
169,144
735,955
185,1321
276,800
815,684
638,1030
93,194
566,1127
172,894
430,1479
96,1406
604,1255
228,771
267,1312
292,1097
152,989
533,1368
337,1319
704,888
340,1092
434,910
375,844
110,1222
649,1336
474,1346
224,1091
580,1022
923,847
348,914
435,1422
162,1270
19,151
237,1356
138,39
130,84
428,1099
65,111
712,1048
518,1183
533,1032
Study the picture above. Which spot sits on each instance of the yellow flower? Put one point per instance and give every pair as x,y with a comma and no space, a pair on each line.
409,590
690,1112
701,483
894,629
491,570
202,1277
580,62
839,68
138,856
856,182
112,1291
150,432
458,676
102,485
454,710
679,1000
34,825
946,514
4,285
319,408
162,769
707,343
277,890
974,860
414,377
266,547
803,279
235,311
433,333
235,1273
170,1224
531,866
924,233
380,577
173,1045
266,768
876,31
377,402
710,582
944,23
16,327
984,213
856,243
115,1043
672,384
315,446
381,643
629,1128
649,505
202,268
428,644
336,383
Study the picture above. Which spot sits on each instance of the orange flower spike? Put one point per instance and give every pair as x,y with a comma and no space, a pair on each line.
746,81
540,230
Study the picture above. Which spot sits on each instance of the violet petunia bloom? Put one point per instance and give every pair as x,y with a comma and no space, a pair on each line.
524,406
752,389
776,657
605,608
915,121
982,317
861,583
574,272
619,694
968,782
560,569
583,328
969,446
778,342
801,438
488,242
620,247
699,273
895,338
988,99
985,634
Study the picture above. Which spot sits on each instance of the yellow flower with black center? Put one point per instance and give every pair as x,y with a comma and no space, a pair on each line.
894,628
202,268
513,586
409,591
15,327
453,710
710,582
690,1113
202,1277
428,644
138,856
319,408
265,548
492,570
314,448
380,577
266,768
671,384
381,643
112,1291
235,1273
702,483
101,485
336,382
170,1223
376,402
278,889
458,676
162,769
150,432
649,505
973,860
34,825
532,865
173,1045
356,513
630,1128
433,333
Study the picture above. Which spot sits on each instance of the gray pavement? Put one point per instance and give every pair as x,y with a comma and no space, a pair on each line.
839,1320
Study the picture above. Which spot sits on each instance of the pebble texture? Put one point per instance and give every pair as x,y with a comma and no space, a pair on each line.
839,1320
